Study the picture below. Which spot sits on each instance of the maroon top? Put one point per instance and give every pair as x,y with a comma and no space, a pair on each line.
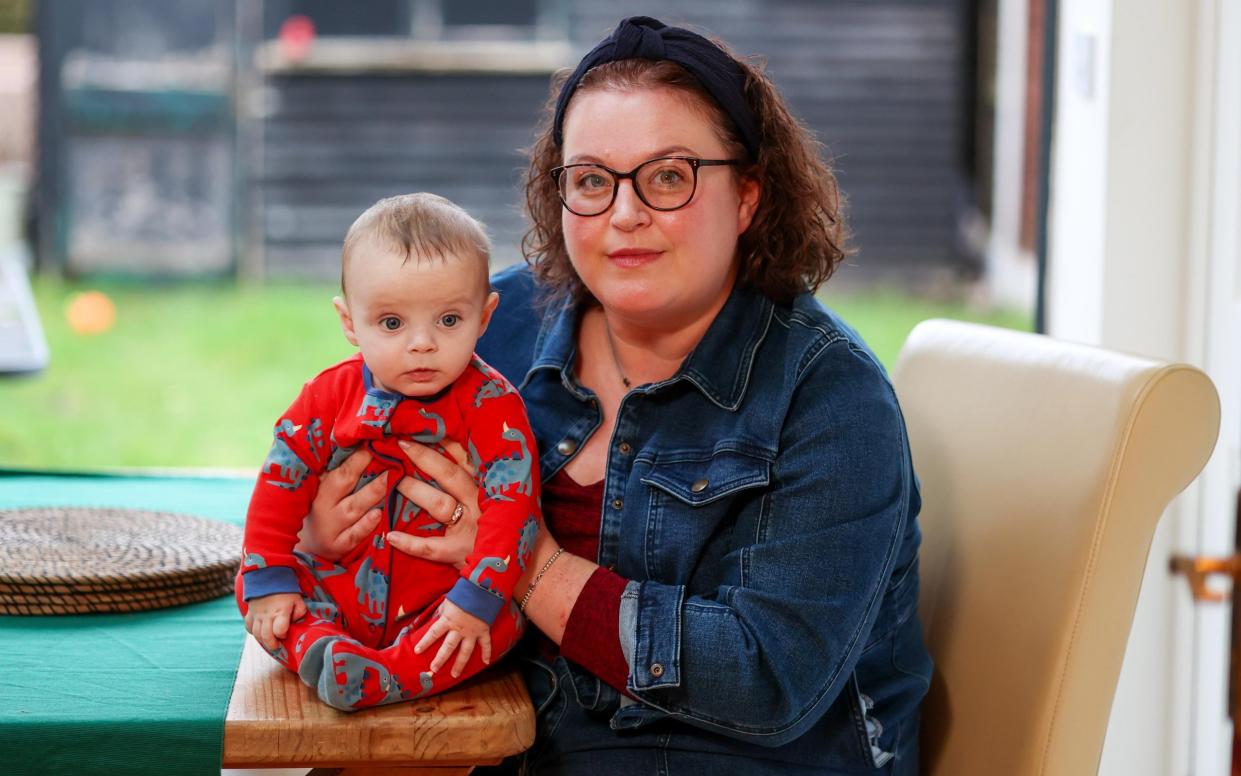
574,515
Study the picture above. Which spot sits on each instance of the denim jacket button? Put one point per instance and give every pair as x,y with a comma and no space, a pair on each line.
657,670
617,503
566,447
624,448
699,486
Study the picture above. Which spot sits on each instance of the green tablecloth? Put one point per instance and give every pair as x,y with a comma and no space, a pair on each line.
120,693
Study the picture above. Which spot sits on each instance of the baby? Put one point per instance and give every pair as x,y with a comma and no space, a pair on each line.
416,298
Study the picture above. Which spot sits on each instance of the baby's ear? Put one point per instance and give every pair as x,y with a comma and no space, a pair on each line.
346,320
489,307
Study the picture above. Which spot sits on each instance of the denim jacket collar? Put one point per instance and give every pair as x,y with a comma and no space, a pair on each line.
719,366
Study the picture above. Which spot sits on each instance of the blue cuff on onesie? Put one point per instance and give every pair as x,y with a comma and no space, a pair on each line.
478,601
269,581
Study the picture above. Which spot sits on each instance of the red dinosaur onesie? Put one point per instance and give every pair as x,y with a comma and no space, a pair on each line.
367,611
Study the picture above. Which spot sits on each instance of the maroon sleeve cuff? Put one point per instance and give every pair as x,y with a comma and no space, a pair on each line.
592,634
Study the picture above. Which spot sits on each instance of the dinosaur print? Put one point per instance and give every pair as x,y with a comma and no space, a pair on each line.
286,427
525,544
356,670
364,480
319,567
372,588
498,565
431,437
314,438
279,653
339,454
319,604
504,472
476,461
284,466
327,610
492,388
425,680
376,410
404,632
405,510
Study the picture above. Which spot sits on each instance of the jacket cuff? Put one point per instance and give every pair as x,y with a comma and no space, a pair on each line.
656,637
476,600
592,634
269,580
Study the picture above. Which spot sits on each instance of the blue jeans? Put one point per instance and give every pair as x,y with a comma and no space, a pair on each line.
571,741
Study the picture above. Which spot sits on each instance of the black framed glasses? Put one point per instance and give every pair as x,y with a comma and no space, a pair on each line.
664,183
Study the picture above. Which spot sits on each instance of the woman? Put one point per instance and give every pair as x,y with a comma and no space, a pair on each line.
728,575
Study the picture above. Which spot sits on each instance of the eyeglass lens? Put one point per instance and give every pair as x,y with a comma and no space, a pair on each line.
666,184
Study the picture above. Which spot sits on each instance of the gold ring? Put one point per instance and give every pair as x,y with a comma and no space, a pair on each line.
456,514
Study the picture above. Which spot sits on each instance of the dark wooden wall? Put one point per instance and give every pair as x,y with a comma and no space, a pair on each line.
339,143
884,84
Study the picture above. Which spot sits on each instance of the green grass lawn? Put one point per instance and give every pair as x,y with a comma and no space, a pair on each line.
195,375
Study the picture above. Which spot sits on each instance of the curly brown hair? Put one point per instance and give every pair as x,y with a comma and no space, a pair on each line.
797,236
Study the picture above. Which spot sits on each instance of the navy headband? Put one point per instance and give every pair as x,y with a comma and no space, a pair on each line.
641,37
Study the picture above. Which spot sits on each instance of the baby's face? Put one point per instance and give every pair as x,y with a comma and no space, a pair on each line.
416,322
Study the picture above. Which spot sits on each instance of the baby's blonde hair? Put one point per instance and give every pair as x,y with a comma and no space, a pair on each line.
421,226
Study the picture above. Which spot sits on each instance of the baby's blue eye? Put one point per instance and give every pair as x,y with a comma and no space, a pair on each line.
391,323
450,320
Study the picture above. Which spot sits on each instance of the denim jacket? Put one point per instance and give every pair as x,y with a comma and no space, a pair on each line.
763,503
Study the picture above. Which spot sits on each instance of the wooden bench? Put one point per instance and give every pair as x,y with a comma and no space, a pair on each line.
274,721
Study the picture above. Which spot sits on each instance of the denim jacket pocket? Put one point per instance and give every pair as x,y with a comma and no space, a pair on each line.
693,503
700,480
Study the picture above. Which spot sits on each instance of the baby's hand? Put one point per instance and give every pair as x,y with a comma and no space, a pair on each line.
268,617
461,629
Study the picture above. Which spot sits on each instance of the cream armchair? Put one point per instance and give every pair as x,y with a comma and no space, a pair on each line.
1044,467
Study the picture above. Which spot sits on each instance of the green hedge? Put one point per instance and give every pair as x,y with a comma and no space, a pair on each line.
16,16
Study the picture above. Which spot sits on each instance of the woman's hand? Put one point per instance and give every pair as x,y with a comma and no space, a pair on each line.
456,487
340,519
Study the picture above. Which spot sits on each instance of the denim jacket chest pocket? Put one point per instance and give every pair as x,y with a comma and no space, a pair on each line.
696,504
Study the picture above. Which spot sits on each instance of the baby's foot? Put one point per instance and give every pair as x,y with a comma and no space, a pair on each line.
310,666
355,677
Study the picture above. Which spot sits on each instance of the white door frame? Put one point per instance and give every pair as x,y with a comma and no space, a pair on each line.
1214,340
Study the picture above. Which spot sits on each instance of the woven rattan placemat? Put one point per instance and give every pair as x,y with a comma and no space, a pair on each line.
73,560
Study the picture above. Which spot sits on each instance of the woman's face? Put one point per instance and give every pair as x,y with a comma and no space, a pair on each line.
656,268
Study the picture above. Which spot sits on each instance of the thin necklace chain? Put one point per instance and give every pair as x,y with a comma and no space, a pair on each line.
615,358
